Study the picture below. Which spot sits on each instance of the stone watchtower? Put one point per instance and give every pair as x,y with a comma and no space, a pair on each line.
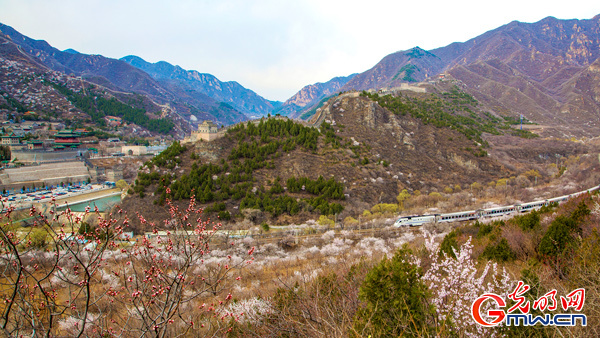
207,131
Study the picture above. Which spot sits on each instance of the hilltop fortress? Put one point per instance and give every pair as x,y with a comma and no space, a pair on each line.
207,131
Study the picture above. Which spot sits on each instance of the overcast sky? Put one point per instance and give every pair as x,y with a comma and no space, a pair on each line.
274,47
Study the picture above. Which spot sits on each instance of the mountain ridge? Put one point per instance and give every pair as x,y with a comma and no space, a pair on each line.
119,75
517,68
231,92
312,94
542,70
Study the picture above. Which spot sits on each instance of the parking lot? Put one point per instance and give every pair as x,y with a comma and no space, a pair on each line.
27,199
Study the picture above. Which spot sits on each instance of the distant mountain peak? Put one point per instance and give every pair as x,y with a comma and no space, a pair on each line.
417,53
71,51
119,76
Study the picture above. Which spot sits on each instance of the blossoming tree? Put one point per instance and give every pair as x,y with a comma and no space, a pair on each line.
61,277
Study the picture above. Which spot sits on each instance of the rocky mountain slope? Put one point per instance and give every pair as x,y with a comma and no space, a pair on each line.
311,95
115,75
201,84
543,70
29,91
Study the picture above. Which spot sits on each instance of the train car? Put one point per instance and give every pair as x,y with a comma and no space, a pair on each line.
536,205
575,194
559,199
592,189
414,221
458,216
418,220
499,211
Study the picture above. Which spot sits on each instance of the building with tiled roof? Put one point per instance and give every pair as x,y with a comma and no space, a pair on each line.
66,139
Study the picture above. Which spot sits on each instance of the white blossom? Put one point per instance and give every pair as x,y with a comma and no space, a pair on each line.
455,284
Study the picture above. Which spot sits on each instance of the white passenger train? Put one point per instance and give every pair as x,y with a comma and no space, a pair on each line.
419,220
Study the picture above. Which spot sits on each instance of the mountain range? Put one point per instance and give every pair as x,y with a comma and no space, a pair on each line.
546,71
201,84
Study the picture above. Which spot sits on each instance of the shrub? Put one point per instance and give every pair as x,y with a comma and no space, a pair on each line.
38,238
580,212
224,215
121,184
499,252
383,208
455,283
402,197
315,308
483,229
449,244
558,237
87,230
395,299
435,195
528,221
324,220
350,221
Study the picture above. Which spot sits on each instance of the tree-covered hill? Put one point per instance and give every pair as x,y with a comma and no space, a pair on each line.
234,182
359,156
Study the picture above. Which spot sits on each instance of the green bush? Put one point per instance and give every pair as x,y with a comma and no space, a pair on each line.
87,230
558,237
499,252
224,215
528,221
580,212
350,221
483,229
449,244
324,220
384,208
38,237
395,299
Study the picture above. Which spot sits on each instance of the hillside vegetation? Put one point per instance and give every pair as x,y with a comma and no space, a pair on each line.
454,109
279,171
97,107
232,179
425,287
